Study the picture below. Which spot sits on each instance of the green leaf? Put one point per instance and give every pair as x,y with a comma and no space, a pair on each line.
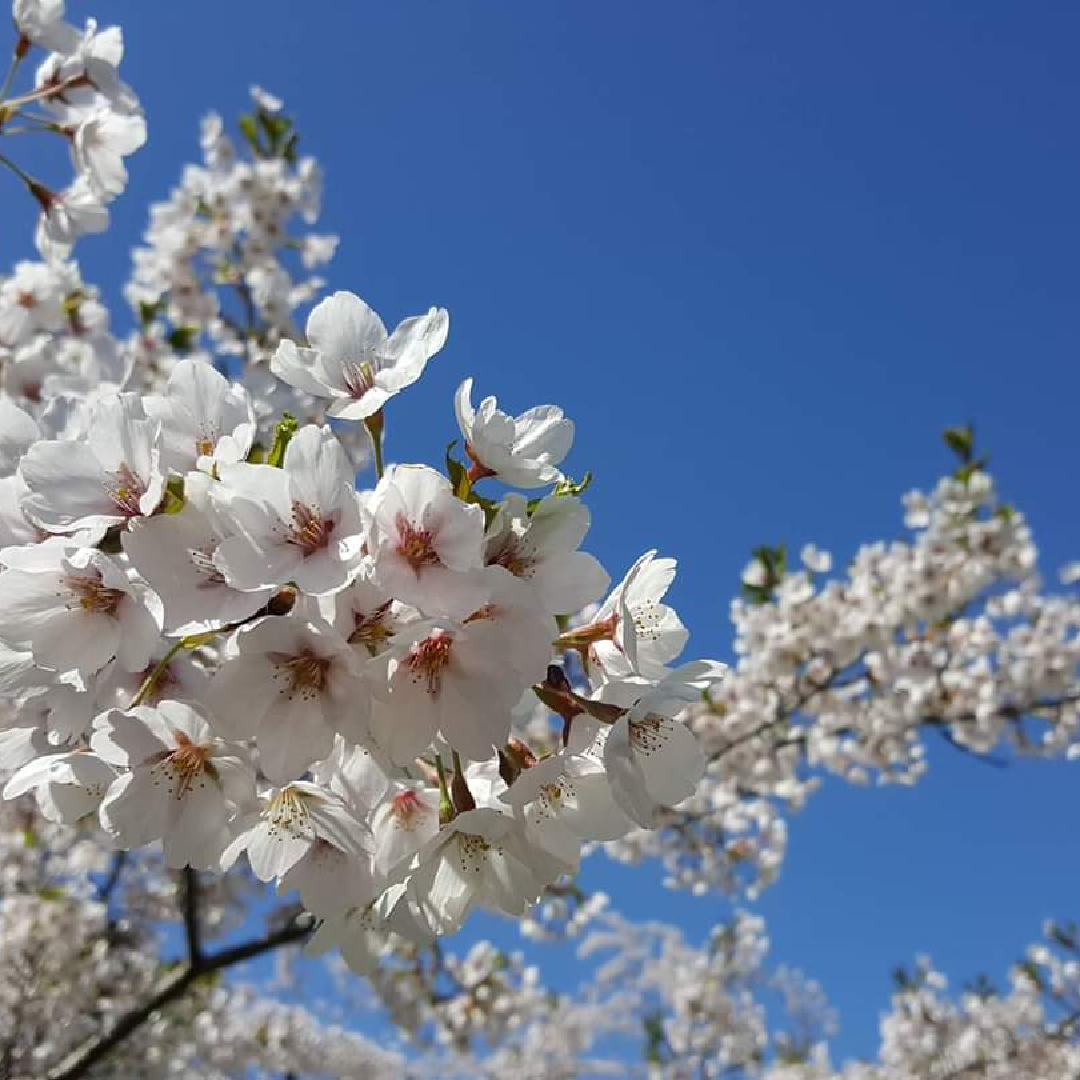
458,474
961,441
567,486
277,129
173,502
249,127
182,338
149,312
655,1040
51,892
774,563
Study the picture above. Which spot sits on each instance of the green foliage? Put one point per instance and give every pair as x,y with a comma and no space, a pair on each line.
961,441
173,502
656,1044
773,561
182,338
269,134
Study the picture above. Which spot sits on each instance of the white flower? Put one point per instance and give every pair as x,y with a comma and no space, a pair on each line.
69,786
183,785
203,418
479,858
67,215
266,100
403,823
364,933
522,451
541,548
814,559
100,144
644,635
291,685
652,760
175,553
110,478
97,55
330,880
448,678
18,432
365,615
288,822
352,360
42,21
32,301
565,799
355,773
74,609
299,523
425,543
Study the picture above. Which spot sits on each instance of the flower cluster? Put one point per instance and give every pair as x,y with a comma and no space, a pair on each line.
232,650
77,94
949,633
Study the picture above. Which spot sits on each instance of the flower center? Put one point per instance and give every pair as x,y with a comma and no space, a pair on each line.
204,447
473,850
405,806
186,763
428,658
552,793
91,594
286,814
415,545
203,561
510,556
309,531
307,674
359,377
125,489
648,735
371,629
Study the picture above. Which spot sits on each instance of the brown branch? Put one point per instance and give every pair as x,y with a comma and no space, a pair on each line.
192,916
80,1062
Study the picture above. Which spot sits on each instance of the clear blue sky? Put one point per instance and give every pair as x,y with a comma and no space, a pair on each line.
762,253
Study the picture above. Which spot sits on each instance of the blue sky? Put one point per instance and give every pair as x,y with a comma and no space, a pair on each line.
762,253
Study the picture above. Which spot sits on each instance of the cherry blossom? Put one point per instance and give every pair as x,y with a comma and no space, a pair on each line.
425,544
74,609
353,361
522,451
183,786
113,476
290,684
298,523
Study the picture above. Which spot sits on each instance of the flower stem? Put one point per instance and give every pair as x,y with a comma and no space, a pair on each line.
446,807
16,60
158,670
20,172
375,425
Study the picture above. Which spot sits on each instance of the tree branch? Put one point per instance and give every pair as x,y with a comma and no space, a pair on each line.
192,917
80,1062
